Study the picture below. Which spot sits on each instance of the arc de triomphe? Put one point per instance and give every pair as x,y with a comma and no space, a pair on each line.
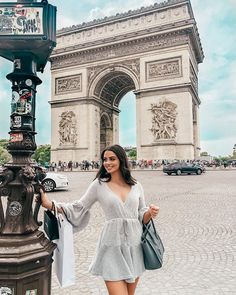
154,51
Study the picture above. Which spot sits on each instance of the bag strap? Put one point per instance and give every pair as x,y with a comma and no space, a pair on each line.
147,228
53,209
56,212
65,214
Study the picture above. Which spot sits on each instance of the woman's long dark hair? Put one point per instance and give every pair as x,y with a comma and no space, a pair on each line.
103,175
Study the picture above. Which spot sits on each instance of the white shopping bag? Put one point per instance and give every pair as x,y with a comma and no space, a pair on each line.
64,257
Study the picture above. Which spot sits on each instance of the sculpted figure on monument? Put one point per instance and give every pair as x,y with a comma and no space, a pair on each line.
67,128
163,120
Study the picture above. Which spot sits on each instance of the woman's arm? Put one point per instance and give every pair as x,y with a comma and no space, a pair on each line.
46,202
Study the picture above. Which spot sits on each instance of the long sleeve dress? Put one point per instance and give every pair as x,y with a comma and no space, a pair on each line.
119,253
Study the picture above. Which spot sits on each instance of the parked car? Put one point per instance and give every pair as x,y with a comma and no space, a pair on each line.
183,167
54,181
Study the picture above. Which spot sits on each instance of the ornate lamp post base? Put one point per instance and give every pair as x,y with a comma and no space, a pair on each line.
25,264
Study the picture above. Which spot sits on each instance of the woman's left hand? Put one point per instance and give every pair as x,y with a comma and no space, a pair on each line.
153,210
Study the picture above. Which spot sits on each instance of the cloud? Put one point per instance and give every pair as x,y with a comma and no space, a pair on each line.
217,74
112,7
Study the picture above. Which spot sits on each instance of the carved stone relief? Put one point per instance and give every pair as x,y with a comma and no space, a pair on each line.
163,120
68,84
164,69
68,128
121,49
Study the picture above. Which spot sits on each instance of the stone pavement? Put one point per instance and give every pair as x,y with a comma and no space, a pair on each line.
197,223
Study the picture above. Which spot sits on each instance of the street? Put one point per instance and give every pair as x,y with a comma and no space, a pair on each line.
196,223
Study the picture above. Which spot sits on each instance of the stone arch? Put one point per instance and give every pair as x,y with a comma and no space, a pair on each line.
108,87
106,75
154,51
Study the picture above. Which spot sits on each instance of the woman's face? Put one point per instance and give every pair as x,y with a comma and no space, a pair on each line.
111,162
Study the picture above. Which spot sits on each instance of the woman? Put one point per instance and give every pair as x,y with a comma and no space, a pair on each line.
119,257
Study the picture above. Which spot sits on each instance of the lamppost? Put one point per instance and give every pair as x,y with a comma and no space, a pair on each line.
27,38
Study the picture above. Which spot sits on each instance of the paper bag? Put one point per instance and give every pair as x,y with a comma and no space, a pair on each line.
64,257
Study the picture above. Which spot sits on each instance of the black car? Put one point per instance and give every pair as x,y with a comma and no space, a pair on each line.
183,167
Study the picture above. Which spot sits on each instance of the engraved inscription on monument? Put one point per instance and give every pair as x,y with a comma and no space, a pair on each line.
68,84
164,69
163,120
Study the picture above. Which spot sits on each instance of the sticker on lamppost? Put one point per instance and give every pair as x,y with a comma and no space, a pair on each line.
21,20
6,291
15,137
16,122
31,292
28,82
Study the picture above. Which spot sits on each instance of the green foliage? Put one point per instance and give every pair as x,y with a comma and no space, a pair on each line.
3,143
42,154
132,154
4,156
220,159
204,154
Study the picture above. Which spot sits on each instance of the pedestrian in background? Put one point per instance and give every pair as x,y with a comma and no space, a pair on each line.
119,257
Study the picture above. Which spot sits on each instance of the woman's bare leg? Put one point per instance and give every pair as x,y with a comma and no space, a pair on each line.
131,287
117,287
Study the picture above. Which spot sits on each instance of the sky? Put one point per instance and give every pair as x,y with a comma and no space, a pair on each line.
216,21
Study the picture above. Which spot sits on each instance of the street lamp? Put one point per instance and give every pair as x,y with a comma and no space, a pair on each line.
27,38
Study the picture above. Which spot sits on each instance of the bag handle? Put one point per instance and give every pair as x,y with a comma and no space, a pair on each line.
63,211
147,227
53,209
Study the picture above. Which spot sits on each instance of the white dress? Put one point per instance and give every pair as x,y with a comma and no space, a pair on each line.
119,254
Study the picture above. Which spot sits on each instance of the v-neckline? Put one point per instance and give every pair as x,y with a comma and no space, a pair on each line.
117,196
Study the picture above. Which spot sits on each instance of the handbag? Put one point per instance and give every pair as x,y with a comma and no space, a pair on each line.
51,223
153,249
64,256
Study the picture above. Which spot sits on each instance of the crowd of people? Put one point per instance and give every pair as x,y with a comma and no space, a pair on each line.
87,165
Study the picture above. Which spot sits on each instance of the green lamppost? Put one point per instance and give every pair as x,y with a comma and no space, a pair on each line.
27,38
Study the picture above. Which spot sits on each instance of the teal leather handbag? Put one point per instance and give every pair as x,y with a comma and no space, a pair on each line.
153,249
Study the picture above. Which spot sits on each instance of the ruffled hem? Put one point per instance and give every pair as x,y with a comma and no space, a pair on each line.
118,263
127,280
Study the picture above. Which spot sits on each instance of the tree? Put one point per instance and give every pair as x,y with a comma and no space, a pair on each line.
3,143
42,154
4,156
204,154
132,154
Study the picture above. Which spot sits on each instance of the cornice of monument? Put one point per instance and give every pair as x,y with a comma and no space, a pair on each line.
170,89
124,15
84,100
128,47
126,36
136,23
